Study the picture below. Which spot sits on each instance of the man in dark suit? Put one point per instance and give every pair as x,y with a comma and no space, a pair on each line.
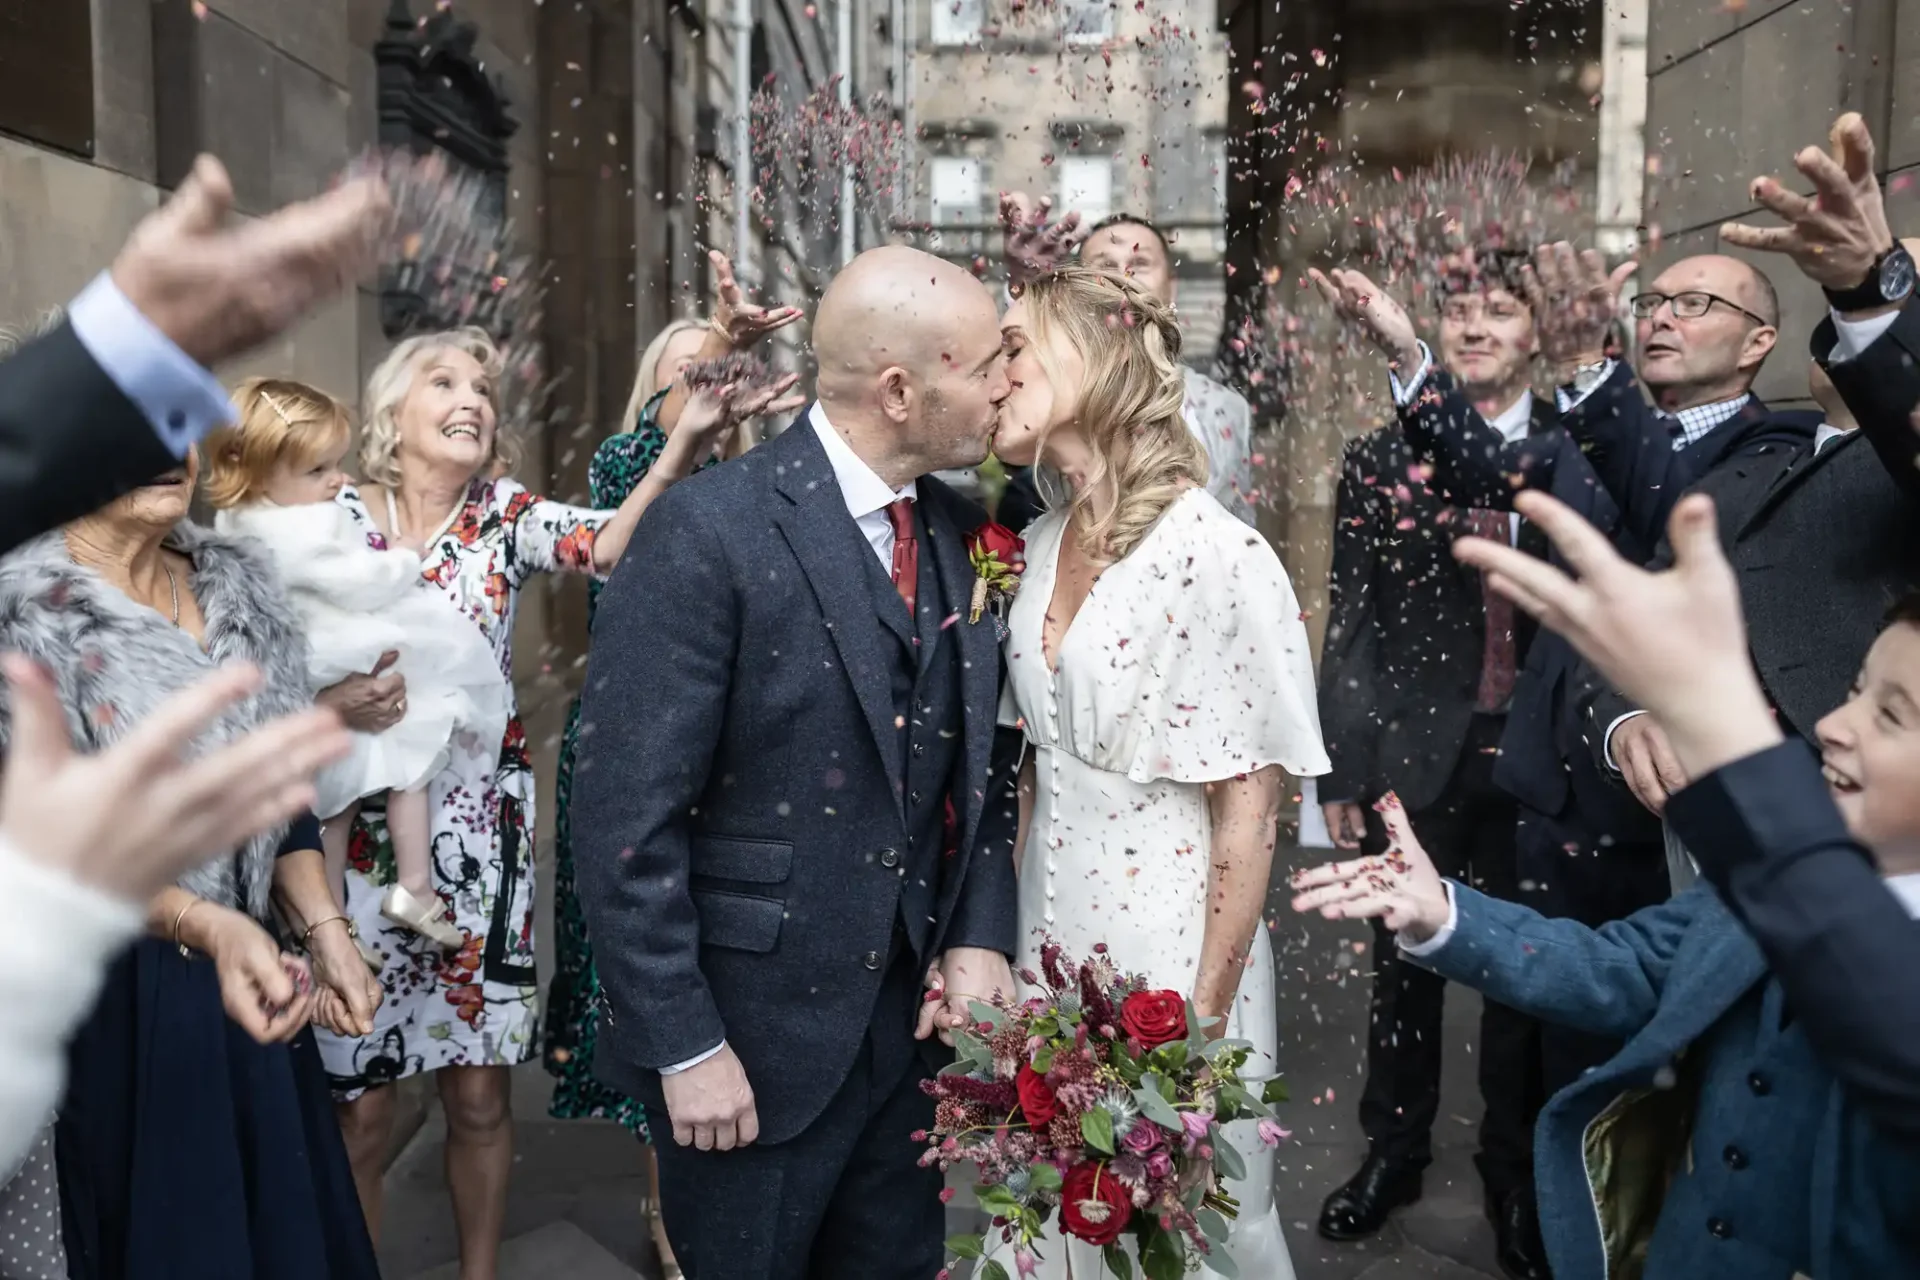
1822,542
117,393
1582,851
1415,682
787,800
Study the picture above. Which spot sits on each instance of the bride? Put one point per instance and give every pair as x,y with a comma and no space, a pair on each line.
1159,669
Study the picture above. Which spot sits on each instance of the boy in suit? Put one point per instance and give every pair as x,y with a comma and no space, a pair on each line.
1746,1129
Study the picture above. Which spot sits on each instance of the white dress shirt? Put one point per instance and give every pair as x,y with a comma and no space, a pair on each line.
867,497
57,936
180,399
1851,337
865,493
1223,421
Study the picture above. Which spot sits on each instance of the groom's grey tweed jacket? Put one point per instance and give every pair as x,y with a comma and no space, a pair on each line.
739,822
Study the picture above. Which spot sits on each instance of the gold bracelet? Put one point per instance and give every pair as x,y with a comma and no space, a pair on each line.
185,953
306,939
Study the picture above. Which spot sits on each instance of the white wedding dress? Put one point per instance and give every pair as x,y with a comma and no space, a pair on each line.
1187,664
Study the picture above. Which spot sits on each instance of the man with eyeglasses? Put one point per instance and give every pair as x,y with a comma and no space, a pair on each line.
1825,536
1416,679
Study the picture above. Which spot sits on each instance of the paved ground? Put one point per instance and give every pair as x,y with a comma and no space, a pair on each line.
576,1186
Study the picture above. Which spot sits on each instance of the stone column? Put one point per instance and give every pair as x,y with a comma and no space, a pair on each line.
586,67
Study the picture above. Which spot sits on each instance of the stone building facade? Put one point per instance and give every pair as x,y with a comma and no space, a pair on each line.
1106,107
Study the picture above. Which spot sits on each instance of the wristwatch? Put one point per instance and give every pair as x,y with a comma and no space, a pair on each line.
1891,280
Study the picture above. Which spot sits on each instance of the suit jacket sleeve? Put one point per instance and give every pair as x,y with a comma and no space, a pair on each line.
985,911
1349,719
1605,981
658,680
1632,453
1881,387
1473,464
70,440
1767,835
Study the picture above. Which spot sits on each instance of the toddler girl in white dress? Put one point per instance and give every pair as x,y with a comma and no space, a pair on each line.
274,478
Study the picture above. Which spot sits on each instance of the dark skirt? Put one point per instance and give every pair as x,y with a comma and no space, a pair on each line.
186,1151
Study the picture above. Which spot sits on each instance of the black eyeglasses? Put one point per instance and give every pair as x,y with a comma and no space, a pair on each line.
1690,305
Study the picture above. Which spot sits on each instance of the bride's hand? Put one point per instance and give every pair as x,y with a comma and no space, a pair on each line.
1400,887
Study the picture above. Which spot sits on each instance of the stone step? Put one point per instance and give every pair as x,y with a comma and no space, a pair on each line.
557,1249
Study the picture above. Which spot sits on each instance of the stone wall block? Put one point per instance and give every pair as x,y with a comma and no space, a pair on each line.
123,138
309,31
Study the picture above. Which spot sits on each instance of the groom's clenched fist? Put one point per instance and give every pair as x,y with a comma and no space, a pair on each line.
711,1104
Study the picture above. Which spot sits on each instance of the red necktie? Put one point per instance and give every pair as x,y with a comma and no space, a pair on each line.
1497,656
906,551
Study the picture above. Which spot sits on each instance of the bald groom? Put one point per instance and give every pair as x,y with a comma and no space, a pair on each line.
790,801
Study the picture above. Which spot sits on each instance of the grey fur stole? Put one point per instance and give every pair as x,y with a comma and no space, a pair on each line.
113,661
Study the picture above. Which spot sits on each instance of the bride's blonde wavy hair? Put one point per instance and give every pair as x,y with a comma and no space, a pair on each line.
1131,398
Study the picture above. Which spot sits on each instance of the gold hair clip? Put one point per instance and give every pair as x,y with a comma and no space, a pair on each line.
275,405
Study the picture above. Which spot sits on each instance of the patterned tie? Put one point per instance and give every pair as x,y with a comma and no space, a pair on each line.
906,551
1497,657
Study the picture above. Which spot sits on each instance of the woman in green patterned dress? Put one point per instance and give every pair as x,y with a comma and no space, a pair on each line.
573,999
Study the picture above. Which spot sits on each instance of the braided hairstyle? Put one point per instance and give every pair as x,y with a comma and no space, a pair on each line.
1131,397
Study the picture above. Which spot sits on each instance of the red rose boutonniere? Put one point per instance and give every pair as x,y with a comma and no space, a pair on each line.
999,558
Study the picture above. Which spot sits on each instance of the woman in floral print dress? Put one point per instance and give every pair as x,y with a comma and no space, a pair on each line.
429,455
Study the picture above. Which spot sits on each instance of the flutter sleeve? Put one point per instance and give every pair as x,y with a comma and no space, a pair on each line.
1228,686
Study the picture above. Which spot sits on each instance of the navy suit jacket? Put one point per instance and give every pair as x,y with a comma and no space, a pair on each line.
70,440
1662,979
1613,461
737,803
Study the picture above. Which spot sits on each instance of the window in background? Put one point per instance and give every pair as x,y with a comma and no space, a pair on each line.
1086,21
957,21
954,185
1086,184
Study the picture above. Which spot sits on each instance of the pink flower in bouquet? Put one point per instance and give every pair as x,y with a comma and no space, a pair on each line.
1154,1017
1159,1165
1272,1134
1094,1205
1025,1263
1196,1123
1142,1138
1037,1102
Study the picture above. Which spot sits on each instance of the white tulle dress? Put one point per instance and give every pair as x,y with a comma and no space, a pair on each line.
1187,664
357,604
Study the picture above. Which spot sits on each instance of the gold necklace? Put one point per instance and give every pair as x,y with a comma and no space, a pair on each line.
173,589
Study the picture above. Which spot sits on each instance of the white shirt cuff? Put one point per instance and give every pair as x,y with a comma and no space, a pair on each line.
1606,743
1403,394
1574,396
1851,337
1441,936
692,1062
181,399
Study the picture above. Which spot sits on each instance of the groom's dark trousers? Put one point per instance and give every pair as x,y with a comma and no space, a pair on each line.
769,746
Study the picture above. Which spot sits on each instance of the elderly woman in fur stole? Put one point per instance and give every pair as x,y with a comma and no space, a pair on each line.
197,1137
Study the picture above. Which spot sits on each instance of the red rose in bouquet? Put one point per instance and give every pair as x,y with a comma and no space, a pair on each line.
1154,1017
1037,1102
992,539
1094,1205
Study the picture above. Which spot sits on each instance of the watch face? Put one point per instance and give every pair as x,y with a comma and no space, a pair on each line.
1896,275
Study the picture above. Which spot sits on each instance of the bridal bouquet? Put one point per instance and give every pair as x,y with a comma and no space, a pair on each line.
1103,1101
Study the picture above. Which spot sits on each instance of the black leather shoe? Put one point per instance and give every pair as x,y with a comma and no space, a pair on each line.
1360,1207
1516,1227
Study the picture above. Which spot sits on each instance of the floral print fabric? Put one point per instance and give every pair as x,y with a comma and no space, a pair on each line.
477,1006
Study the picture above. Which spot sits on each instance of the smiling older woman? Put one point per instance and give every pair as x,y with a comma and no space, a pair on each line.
196,1137
431,457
